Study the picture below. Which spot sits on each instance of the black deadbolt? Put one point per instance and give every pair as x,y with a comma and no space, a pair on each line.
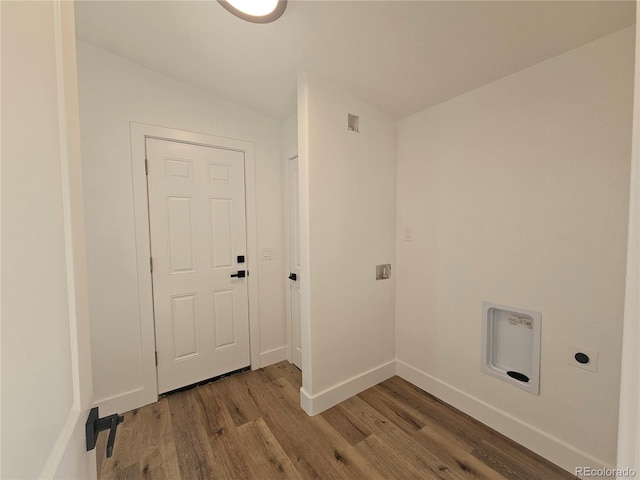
240,258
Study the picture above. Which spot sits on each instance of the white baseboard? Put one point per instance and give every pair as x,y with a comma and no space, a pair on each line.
305,401
314,404
140,397
549,447
125,402
273,356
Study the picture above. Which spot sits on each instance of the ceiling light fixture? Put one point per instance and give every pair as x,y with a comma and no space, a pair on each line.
255,11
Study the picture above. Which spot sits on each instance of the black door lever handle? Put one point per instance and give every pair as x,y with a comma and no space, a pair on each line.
293,277
95,425
240,274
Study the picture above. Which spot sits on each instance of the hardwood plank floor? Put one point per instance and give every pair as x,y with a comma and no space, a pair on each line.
251,426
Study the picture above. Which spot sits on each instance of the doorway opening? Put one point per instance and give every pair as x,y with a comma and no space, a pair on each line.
194,200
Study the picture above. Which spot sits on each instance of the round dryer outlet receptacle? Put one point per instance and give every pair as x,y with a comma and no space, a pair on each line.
582,358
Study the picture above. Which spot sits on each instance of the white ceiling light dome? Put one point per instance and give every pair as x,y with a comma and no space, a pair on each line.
256,11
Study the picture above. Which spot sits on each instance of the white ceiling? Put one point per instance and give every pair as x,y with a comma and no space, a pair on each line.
401,56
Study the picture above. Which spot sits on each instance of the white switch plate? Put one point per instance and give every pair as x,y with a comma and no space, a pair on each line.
407,233
592,366
267,253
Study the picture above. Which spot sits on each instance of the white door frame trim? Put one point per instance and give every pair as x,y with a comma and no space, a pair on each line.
74,235
287,245
139,133
629,412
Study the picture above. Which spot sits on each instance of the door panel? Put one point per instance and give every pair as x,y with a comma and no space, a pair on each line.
185,327
294,262
198,230
180,227
221,232
224,319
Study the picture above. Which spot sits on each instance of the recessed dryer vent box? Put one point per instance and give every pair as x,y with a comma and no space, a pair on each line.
511,345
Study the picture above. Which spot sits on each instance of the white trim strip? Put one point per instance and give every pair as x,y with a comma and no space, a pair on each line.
629,413
66,203
332,396
272,356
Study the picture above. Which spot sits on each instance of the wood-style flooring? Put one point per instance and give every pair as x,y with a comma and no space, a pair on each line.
251,426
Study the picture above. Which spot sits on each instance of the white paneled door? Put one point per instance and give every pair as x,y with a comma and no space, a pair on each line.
198,248
294,262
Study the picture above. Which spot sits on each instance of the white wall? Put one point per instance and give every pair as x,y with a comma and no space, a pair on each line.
290,136
347,203
113,93
518,194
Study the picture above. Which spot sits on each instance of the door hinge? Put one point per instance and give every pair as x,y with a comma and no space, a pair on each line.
151,264
146,166
156,359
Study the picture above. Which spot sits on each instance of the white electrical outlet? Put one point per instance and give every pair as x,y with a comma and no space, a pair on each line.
267,253
582,358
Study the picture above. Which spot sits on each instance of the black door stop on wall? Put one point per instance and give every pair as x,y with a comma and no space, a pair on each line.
95,425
